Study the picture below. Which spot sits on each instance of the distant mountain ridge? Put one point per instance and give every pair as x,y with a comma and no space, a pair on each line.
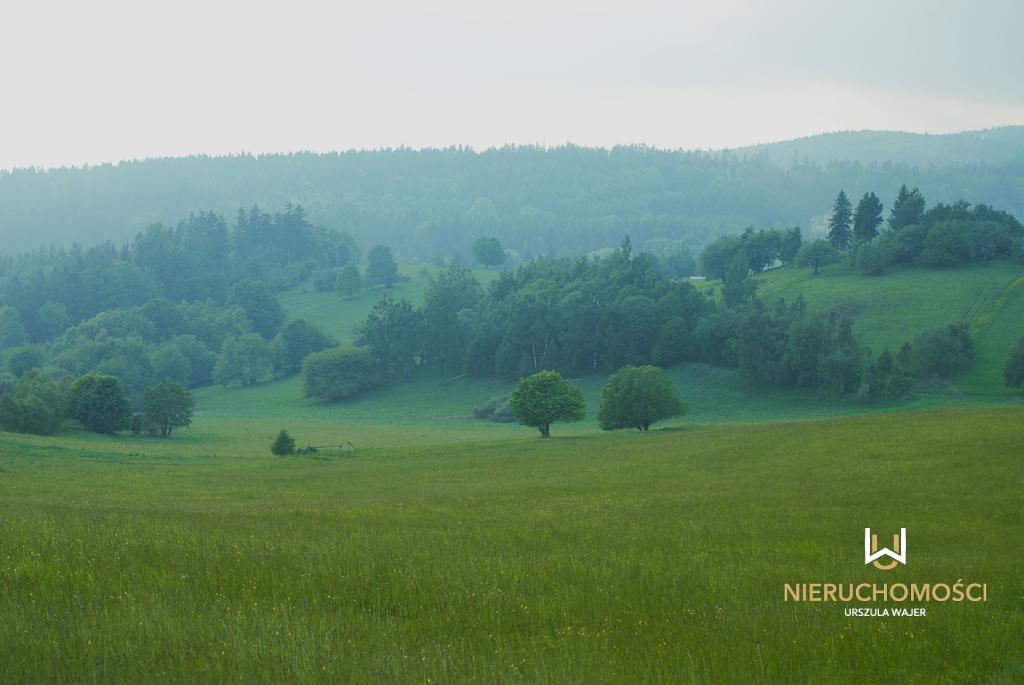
562,201
986,146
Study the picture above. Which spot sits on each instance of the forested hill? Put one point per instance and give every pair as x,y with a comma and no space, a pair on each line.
988,146
560,201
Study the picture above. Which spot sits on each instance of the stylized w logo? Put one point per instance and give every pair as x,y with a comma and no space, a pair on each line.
898,553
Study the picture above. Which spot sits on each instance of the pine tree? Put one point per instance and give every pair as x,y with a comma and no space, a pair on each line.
839,226
867,218
908,208
284,444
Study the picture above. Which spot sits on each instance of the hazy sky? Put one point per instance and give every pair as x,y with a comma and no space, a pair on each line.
103,80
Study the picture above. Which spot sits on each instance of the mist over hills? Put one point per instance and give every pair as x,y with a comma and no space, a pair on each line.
560,201
987,146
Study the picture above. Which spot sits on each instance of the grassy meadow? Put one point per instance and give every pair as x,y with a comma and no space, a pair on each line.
889,309
625,558
447,549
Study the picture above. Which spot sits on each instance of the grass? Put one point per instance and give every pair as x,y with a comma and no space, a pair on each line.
625,558
449,549
890,309
339,316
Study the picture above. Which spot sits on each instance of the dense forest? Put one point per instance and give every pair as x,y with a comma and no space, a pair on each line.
565,201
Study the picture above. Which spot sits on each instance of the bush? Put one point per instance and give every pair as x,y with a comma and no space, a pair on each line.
941,351
35,404
947,244
295,341
100,403
283,444
497,409
1013,372
869,260
338,373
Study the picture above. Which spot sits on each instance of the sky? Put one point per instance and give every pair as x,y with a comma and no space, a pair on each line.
109,80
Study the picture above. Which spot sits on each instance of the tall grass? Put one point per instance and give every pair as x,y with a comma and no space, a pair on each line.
624,558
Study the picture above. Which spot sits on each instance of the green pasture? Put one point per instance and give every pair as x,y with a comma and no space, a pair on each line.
631,557
891,308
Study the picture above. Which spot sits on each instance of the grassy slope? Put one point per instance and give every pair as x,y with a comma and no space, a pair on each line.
433,411
625,558
340,316
890,309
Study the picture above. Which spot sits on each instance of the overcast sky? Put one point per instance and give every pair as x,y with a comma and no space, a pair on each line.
102,80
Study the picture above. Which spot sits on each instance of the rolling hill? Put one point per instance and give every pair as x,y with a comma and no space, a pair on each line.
890,309
568,200
988,146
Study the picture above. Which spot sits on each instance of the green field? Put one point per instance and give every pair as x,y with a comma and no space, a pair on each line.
450,549
339,316
889,309
634,557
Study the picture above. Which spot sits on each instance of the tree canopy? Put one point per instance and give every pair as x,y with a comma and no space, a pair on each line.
545,398
636,397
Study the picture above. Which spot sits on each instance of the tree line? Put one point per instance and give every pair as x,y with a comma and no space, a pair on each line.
564,201
592,315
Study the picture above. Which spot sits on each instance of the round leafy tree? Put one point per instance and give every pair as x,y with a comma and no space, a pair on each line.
100,403
544,398
636,397
349,281
488,251
165,407
284,444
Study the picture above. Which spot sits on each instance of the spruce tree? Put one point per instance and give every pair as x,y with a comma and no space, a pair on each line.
839,226
867,218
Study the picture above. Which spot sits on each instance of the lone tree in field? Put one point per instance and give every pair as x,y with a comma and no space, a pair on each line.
839,224
544,398
1013,372
100,403
380,267
284,444
636,397
488,251
166,407
867,218
816,253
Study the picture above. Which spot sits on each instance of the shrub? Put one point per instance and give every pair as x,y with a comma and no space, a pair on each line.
283,444
497,409
947,244
338,373
869,260
100,403
1013,372
296,340
35,404
941,351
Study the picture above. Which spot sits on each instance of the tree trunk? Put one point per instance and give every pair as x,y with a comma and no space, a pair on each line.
545,430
